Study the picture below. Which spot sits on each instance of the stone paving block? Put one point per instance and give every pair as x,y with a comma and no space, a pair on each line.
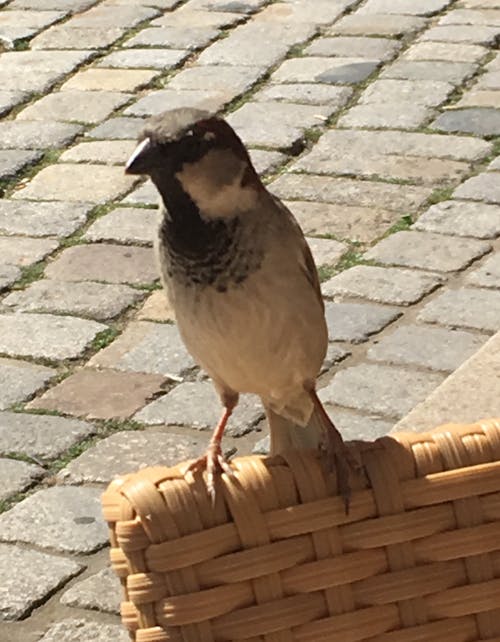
461,218
334,354
9,99
90,300
196,404
154,348
125,225
99,592
65,519
156,308
233,78
73,6
157,101
23,251
16,476
483,187
465,308
46,336
81,183
445,51
473,34
8,274
393,25
66,37
36,577
129,451
480,121
80,106
161,59
41,219
452,72
112,152
265,161
383,285
103,16
145,194
355,426
326,251
109,80
13,161
118,128
83,631
340,71
488,274
495,164
30,135
101,394
386,390
371,48
427,251
188,15
349,192
104,262
41,436
356,322
419,92
414,7
471,17
322,12
239,47
29,18
402,115
306,94
490,81
19,380
427,347
475,98
174,38
275,124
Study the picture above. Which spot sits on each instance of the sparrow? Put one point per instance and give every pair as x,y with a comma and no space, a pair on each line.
242,282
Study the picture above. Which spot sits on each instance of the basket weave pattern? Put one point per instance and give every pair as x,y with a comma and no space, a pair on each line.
277,559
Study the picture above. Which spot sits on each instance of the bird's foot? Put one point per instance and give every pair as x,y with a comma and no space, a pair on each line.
342,462
215,463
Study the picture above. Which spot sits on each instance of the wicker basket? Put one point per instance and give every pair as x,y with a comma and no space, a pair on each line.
277,559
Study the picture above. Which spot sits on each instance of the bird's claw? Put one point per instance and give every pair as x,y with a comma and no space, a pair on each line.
215,463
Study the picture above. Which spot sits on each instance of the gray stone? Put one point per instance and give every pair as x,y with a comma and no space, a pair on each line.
196,404
119,128
125,225
104,262
414,7
46,336
355,322
371,48
80,106
322,12
40,436
19,380
155,348
162,59
145,194
469,394
445,51
157,101
490,81
357,24
466,308
452,72
390,115
174,38
99,592
16,476
340,71
495,164
189,15
29,18
108,16
305,94
488,275
419,92
383,285
9,99
474,34
23,251
8,275
427,251
473,98
386,390
469,17
91,300
355,426
349,192
109,152
427,347
73,6
129,451
66,37
227,78
461,218
81,183
13,161
262,447
84,631
41,219
65,519
483,187
30,135
326,251
36,577
266,162
480,121
334,354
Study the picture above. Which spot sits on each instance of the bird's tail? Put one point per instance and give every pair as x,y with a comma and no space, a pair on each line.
286,434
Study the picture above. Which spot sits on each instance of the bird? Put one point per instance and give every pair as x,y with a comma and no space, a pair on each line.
242,282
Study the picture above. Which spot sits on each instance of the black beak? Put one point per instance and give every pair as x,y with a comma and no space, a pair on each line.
144,158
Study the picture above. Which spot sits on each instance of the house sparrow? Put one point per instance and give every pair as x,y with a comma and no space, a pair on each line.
242,282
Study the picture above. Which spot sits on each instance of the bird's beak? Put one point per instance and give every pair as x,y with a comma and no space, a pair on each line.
142,159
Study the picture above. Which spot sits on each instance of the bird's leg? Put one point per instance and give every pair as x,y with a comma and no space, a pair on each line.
213,461
338,455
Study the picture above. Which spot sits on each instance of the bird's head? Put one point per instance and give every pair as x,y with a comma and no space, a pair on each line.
203,154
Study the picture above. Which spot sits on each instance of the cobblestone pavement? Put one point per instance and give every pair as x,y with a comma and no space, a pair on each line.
376,121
